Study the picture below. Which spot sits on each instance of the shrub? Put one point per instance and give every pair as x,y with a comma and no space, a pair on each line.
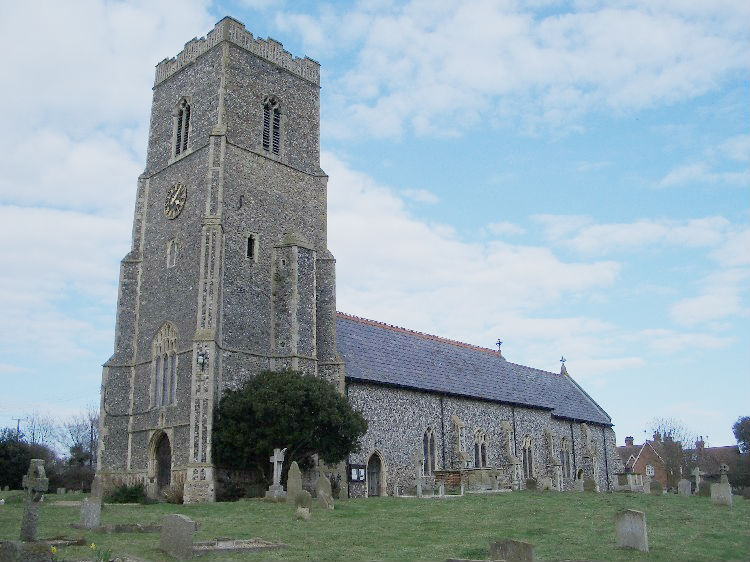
174,493
127,494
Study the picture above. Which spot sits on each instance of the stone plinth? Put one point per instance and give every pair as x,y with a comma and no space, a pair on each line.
630,526
512,551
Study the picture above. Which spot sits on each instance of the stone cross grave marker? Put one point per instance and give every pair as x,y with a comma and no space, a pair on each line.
293,482
177,532
684,487
276,490
630,526
512,551
724,471
697,474
35,483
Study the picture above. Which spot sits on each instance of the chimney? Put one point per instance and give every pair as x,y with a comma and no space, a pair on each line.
657,436
699,444
629,441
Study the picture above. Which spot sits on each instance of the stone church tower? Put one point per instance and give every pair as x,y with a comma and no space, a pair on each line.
229,272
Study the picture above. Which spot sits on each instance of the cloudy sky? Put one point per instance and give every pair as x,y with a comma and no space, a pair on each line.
569,177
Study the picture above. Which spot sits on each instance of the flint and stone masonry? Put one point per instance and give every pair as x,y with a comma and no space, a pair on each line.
229,274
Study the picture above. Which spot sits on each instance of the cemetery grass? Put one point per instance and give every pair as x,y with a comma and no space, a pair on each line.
567,526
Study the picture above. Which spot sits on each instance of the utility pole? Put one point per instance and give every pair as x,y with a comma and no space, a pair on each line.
18,427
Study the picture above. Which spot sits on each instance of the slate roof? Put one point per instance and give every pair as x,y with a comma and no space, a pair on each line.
382,354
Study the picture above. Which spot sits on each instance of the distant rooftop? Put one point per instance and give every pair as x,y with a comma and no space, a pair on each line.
379,353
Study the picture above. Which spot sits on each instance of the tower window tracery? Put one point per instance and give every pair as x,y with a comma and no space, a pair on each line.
271,125
164,379
182,127
528,457
480,448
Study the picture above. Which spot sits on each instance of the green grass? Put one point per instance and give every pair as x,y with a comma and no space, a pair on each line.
565,526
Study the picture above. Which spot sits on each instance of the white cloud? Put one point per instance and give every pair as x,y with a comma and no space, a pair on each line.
421,196
737,148
671,342
439,67
580,234
699,173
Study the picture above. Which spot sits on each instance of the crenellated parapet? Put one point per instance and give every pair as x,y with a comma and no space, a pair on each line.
229,29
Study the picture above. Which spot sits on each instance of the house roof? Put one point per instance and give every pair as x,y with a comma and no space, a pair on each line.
711,458
379,353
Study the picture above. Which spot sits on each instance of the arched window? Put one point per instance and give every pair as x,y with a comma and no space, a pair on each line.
172,250
428,452
480,448
164,381
182,127
528,458
567,469
271,124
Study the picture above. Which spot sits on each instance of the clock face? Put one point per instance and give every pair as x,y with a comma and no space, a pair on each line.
176,197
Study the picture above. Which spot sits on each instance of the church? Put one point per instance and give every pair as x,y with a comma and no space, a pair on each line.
229,274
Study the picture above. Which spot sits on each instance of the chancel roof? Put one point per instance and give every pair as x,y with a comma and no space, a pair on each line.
382,354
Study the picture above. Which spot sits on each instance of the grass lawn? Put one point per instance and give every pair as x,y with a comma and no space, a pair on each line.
567,526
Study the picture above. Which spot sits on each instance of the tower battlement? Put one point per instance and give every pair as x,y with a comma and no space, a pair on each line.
229,29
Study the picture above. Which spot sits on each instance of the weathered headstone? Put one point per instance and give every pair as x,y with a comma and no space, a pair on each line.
293,482
578,485
61,491
721,494
684,487
91,511
303,499
630,526
323,492
531,484
276,490
6,488
302,513
646,486
589,485
177,533
441,489
35,483
656,488
545,483
512,551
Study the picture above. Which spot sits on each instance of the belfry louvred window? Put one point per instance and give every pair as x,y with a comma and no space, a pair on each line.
271,125
183,127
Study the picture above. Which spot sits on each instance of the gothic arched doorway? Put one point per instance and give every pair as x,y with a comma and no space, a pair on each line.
163,463
374,476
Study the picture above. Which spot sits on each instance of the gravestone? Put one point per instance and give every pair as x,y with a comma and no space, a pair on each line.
35,483
441,489
647,486
704,489
323,492
630,526
293,482
512,551
2,501
656,488
684,487
589,485
721,494
91,511
276,490
177,533
531,484
545,483
302,513
303,499
578,485
6,488
61,491
17,551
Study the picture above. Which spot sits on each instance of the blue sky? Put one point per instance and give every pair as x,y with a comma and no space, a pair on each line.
569,177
